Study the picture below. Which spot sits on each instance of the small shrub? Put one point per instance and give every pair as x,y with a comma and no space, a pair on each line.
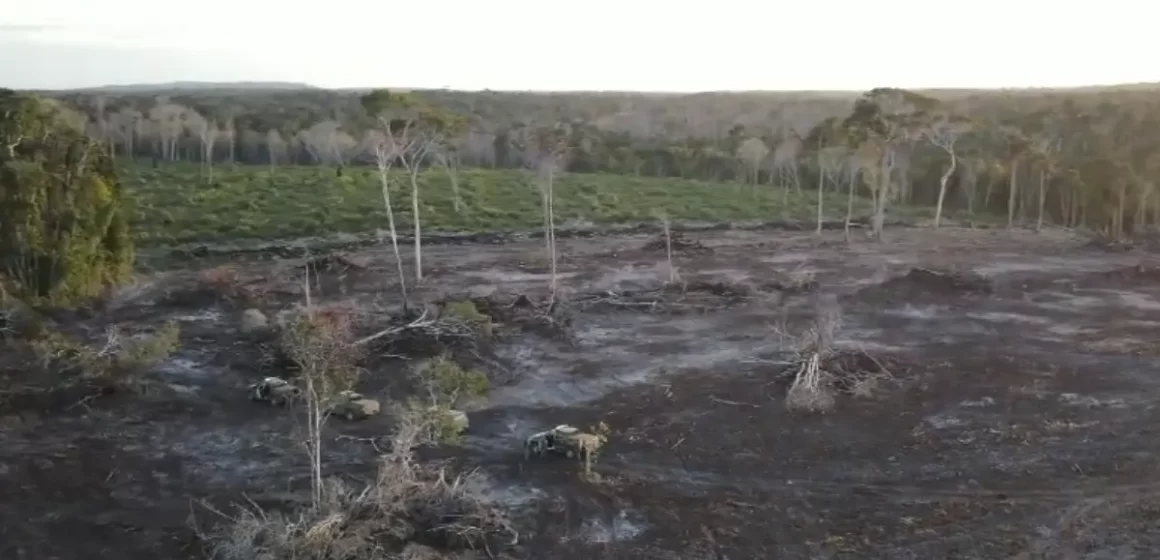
20,321
466,311
407,502
441,425
319,344
227,284
450,384
115,364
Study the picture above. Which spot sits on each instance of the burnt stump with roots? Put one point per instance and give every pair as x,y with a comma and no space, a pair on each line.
818,370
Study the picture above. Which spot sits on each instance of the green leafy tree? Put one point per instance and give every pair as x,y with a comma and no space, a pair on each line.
64,236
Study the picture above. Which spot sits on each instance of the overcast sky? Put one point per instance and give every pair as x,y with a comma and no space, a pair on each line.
655,45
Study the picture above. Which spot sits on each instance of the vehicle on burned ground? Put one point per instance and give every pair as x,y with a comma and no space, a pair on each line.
567,441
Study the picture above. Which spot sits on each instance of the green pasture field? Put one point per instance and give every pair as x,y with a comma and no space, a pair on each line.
173,204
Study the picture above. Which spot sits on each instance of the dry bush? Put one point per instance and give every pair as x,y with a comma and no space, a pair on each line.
800,279
407,502
819,370
224,284
116,363
549,317
446,382
676,242
466,311
320,343
810,389
447,386
428,334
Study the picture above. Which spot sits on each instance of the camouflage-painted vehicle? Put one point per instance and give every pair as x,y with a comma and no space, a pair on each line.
565,440
353,406
274,390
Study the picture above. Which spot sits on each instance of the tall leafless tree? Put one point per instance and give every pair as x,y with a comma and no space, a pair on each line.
387,150
752,152
944,133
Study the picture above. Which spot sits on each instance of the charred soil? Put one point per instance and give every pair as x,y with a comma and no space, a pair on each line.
1011,413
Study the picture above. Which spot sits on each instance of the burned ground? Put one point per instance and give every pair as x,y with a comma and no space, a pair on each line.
1016,420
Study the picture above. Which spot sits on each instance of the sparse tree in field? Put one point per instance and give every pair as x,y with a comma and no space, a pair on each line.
1044,147
832,162
884,121
544,151
104,127
276,147
447,156
328,144
230,132
853,168
972,167
831,156
415,128
877,163
752,152
1017,149
342,148
944,133
785,164
321,343
126,124
550,163
168,122
206,132
674,276
386,152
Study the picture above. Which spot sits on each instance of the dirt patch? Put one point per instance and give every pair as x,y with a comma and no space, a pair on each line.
934,282
1140,274
677,242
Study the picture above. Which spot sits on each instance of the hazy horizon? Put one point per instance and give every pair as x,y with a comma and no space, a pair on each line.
646,45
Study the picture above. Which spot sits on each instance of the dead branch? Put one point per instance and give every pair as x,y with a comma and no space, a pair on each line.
421,323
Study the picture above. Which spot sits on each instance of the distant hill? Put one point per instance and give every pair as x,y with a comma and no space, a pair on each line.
197,86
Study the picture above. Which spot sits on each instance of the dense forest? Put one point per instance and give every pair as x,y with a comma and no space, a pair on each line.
1080,157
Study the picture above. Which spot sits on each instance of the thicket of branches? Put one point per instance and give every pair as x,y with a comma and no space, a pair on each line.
1071,157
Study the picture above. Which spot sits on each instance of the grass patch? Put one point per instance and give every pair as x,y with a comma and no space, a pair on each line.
172,205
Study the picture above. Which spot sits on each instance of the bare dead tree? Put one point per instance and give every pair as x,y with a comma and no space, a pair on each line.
853,169
785,163
944,133
674,276
972,166
386,152
169,122
1046,146
319,140
831,162
275,147
448,158
550,162
752,153
877,159
206,131
125,124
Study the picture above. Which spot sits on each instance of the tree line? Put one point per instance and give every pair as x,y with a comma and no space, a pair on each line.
1068,157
